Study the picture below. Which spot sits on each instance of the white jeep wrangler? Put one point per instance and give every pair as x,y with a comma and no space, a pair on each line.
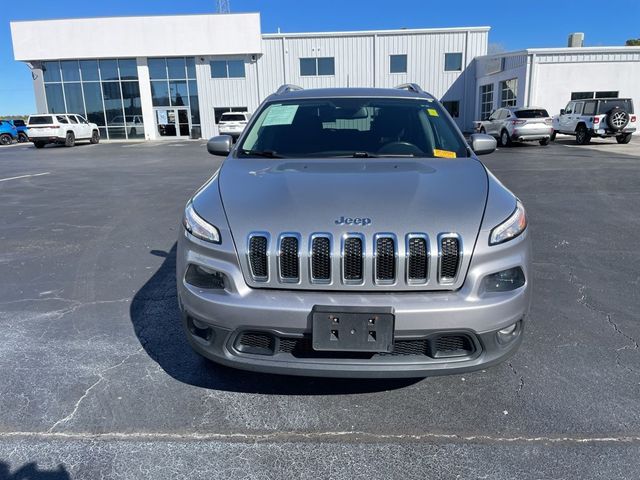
604,117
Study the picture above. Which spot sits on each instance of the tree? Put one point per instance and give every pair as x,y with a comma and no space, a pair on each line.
633,42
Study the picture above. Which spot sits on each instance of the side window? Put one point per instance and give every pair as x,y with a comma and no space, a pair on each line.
578,108
502,115
589,108
569,108
72,118
81,119
62,119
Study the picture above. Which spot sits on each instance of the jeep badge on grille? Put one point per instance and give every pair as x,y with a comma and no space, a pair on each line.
353,221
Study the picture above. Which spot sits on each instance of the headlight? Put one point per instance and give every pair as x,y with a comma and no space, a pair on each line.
198,227
511,227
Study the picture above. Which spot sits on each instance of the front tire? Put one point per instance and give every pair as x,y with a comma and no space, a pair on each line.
5,139
544,142
95,137
553,136
70,140
22,137
505,139
39,144
582,135
483,131
624,139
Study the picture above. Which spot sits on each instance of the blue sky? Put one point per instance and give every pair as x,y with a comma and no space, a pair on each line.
515,25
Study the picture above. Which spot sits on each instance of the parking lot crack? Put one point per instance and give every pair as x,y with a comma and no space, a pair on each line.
521,378
632,342
101,376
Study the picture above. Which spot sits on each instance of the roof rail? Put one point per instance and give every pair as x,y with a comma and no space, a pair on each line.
287,87
414,87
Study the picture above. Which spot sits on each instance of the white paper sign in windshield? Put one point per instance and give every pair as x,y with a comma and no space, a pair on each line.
280,115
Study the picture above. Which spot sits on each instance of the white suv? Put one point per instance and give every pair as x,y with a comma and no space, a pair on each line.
604,117
233,123
61,128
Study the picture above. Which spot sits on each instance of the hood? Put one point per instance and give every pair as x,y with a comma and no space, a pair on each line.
398,196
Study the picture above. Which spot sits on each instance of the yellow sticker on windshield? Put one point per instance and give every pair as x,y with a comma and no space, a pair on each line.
443,153
433,112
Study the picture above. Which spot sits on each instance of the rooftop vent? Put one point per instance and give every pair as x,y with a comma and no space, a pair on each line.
576,40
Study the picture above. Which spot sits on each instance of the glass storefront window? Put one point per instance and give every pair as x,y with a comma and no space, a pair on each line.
70,71
128,69
109,70
176,68
193,101
179,93
160,93
191,67
73,95
112,101
89,69
55,99
131,98
51,71
157,68
93,102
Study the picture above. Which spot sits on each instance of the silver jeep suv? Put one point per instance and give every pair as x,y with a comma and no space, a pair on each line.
354,233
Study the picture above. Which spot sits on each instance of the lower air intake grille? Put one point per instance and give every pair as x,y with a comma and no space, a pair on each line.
418,259
385,259
321,259
452,346
353,259
256,343
258,257
289,268
449,259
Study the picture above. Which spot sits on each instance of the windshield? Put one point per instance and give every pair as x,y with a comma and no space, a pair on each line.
533,113
232,117
354,127
44,120
604,106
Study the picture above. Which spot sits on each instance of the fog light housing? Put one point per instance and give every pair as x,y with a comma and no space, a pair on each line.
504,281
200,329
203,277
508,334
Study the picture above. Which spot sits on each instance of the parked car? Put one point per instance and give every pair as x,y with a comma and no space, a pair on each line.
8,133
63,129
605,117
21,129
134,124
518,124
233,123
354,233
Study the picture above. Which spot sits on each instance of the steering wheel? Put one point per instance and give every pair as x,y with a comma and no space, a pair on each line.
400,148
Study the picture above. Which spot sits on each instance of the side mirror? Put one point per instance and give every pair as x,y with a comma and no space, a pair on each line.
483,144
220,145
562,111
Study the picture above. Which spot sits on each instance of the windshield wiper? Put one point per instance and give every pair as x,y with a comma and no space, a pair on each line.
262,153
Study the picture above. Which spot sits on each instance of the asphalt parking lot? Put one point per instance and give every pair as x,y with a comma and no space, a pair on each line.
98,381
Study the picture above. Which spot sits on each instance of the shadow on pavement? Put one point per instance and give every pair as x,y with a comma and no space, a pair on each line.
30,471
156,321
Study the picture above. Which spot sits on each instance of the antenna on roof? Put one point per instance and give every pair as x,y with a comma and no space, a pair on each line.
223,6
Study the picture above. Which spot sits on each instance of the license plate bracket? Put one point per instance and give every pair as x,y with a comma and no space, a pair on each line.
352,329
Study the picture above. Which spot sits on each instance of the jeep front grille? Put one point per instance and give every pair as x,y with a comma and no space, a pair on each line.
352,264
289,258
321,259
354,261
449,257
385,259
258,257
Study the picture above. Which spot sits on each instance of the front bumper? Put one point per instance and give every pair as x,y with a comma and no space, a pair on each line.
215,318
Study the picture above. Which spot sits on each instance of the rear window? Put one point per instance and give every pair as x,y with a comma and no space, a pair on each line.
43,120
19,123
232,117
533,113
604,106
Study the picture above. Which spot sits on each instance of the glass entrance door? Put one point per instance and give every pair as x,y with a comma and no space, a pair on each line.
173,122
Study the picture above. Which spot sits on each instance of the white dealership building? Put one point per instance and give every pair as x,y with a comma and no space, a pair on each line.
173,76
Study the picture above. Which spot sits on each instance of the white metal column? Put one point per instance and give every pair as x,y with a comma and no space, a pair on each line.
146,102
